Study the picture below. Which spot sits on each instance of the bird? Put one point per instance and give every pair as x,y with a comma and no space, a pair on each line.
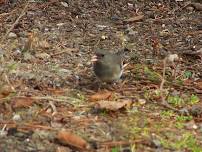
107,66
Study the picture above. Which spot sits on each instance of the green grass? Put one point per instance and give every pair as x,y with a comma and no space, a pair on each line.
186,141
178,101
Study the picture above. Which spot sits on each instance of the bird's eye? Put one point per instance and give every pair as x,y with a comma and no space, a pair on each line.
100,55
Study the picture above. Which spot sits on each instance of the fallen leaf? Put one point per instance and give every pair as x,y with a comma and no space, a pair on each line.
68,138
114,105
22,102
134,18
57,91
100,96
199,85
5,91
188,82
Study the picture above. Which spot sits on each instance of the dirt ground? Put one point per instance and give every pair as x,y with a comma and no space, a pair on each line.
50,100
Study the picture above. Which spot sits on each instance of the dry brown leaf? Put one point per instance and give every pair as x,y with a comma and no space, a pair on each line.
57,91
134,18
22,102
114,105
199,85
100,96
68,138
5,91
188,82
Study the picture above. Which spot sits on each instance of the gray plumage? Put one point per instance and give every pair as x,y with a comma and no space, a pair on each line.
108,67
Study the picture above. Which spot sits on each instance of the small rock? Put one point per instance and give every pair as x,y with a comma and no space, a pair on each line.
16,52
196,110
64,4
191,125
61,24
12,35
142,101
17,117
163,25
115,18
130,5
172,58
104,37
46,29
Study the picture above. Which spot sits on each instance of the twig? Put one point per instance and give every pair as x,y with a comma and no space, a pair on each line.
53,107
51,98
64,51
16,21
25,126
48,98
164,73
3,129
164,102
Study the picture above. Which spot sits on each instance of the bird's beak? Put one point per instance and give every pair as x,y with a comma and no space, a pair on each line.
94,58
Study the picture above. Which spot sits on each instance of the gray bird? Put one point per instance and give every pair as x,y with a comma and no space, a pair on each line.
108,67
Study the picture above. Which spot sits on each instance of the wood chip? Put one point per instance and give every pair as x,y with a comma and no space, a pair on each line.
68,138
114,105
134,18
100,96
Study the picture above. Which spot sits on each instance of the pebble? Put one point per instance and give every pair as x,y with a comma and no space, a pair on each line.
17,117
12,35
64,4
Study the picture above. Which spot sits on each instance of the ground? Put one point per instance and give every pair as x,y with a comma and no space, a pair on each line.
51,101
